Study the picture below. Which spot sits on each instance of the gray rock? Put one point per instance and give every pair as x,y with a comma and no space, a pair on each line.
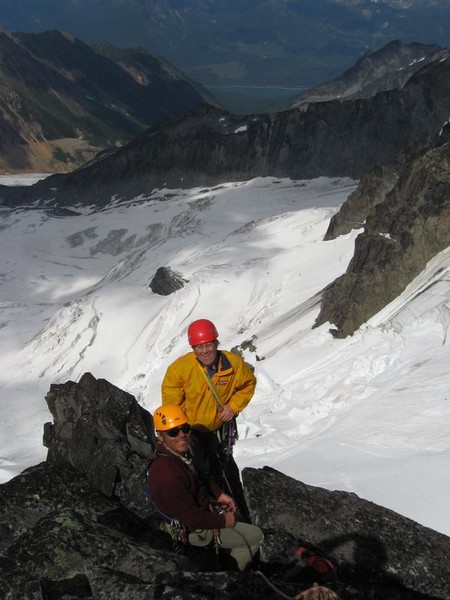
62,538
166,282
407,222
371,190
374,546
104,433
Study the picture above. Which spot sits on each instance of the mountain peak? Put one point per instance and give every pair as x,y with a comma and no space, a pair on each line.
63,101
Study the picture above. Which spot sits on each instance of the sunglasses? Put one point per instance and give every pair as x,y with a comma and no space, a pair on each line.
205,347
185,428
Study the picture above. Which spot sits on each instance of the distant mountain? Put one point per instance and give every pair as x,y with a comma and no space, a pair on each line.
377,71
62,101
242,42
210,146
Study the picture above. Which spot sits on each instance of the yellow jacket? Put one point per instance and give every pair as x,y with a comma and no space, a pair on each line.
185,384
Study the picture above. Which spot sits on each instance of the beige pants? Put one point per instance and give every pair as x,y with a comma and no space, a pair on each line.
243,540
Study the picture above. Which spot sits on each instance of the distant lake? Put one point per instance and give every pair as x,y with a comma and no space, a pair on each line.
243,99
258,90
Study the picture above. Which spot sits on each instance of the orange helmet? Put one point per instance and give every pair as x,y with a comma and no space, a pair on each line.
202,331
168,416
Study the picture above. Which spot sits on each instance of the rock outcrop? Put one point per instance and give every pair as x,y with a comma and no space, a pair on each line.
70,529
166,282
376,548
372,190
103,433
405,210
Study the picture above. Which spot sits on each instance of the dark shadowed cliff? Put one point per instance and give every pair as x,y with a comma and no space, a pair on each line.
210,146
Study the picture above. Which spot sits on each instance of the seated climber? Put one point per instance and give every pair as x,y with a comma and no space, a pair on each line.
205,513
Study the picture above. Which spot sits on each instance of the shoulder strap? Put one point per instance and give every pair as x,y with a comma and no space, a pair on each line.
212,387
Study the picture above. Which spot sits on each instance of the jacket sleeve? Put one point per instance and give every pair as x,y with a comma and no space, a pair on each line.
244,388
172,387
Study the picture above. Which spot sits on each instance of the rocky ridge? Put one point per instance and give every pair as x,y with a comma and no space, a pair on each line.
62,102
376,71
210,146
405,211
79,525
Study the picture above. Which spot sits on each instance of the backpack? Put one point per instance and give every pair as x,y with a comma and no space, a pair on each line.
310,563
304,563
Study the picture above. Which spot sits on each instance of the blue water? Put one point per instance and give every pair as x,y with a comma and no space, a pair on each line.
260,91
245,98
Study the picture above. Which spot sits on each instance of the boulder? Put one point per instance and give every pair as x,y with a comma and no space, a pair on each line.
62,538
166,282
105,434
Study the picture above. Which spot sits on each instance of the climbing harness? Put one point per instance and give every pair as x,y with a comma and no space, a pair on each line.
177,532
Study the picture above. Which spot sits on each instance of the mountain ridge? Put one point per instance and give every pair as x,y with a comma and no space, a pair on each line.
404,210
256,42
385,69
210,146
62,102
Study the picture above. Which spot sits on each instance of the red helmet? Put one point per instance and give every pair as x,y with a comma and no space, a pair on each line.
202,331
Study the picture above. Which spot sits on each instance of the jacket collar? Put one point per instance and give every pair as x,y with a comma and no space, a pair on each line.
220,364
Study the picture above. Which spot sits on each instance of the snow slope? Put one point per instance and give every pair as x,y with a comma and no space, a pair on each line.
368,414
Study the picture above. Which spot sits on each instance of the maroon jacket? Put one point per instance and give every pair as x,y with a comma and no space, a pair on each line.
177,491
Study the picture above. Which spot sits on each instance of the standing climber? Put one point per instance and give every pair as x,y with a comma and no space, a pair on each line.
212,387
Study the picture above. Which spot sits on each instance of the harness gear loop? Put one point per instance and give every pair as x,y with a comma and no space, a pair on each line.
178,534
